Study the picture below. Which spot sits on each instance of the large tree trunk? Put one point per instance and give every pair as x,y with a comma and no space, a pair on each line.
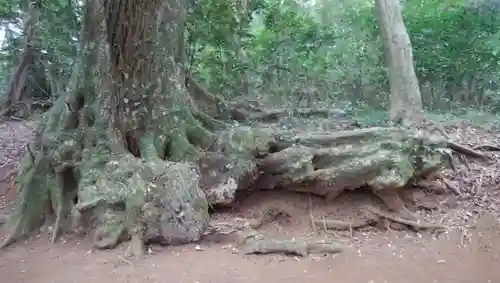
112,149
406,102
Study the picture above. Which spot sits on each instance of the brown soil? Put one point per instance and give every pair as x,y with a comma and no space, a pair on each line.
468,254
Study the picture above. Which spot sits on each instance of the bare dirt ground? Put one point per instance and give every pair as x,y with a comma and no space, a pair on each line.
468,253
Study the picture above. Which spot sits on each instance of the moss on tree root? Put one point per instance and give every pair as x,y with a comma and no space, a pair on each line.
45,178
144,197
266,157
78,156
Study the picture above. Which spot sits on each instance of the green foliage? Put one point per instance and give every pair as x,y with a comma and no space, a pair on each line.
56,36
273,49
455,50
217,36
451,39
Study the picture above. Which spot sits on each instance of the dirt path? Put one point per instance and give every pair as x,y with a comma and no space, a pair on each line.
391,259
371,256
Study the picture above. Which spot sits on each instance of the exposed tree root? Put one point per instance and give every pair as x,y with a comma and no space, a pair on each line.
465,150
203,102
135,174
331,224
462,149
47,181
290,247
267,216
414,224
378,215
326,164
138,195
487,147
31,210
251,242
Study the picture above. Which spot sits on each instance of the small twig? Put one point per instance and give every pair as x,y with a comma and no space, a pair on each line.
442,219
462,237
466,162
124,260
8,176
311,217
479,184
452,161
325,226
387,227
441,130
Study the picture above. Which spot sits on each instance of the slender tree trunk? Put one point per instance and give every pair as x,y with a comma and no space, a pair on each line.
406,102
19,78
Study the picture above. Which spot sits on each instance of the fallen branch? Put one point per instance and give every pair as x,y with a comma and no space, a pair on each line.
416,225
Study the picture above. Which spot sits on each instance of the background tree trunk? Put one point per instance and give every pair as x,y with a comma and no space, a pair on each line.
27,68
406,102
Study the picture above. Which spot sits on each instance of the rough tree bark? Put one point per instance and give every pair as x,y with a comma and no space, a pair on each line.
112,149
406,102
